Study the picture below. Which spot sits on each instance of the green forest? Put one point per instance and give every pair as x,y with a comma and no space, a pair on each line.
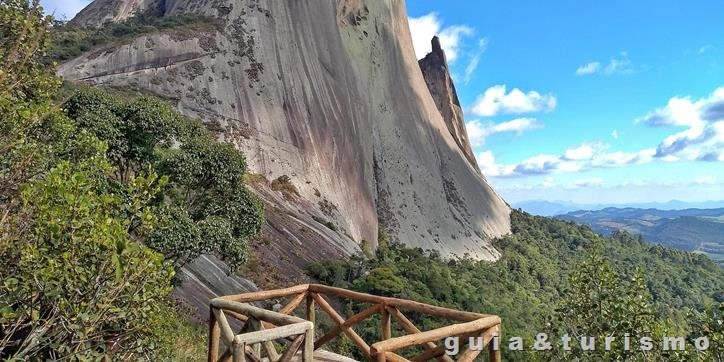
557,277
104,197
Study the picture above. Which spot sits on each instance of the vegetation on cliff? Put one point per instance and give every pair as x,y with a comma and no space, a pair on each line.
554,277
99,201
71,40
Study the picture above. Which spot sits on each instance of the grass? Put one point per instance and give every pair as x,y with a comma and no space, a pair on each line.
284,185
255,179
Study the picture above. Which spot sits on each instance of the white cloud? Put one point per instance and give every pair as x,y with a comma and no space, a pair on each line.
423,28
518,125
496,100
589,68
588,182
579,158
479,131
620,65
703,119
615,134
475,60
548,182
701,140
705,48
617,65
582,152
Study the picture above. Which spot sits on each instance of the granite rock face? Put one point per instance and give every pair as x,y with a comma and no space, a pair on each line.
437,77
328,93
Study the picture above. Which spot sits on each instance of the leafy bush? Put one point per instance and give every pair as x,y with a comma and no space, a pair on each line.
284,185
78,284
205,207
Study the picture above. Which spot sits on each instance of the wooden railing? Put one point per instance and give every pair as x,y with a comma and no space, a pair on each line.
262,327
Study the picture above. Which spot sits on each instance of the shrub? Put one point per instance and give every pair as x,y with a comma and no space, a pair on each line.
205,207
78,285
284,185
330,225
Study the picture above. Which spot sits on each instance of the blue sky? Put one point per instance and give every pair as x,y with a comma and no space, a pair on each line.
592,102
595,102
64,9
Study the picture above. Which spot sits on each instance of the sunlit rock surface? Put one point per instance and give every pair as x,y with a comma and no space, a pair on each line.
330,94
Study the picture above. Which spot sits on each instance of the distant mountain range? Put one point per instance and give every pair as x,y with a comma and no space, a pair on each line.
695,230
553,208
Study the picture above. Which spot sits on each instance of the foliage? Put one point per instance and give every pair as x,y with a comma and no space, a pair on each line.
284,185
80,201
547,264
78,284
709,324
600,303
330,225
24,91
71,40
205,207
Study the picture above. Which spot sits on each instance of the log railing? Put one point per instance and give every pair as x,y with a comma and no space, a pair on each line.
262,327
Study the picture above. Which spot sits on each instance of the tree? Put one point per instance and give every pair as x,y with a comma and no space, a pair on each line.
709,324
205,208
75,282
24,94
601,303
79,285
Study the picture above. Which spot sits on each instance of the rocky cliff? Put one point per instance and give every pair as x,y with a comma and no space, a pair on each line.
329,94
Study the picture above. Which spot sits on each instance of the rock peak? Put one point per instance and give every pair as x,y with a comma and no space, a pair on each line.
437,51
436,47
435,71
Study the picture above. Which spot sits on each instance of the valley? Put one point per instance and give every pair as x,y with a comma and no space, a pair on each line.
693,230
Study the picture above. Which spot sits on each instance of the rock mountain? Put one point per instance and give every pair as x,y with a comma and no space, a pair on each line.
328,93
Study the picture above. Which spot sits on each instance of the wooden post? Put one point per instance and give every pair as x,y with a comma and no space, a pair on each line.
380,357
271,352
293,304
410,328
239,351
311,315
334,332
386,324
495,354
308,352
214,334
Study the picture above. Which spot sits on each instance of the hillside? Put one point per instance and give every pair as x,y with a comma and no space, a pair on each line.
697,230
553,208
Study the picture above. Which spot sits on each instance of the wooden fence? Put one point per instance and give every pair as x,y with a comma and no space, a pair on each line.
262,327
